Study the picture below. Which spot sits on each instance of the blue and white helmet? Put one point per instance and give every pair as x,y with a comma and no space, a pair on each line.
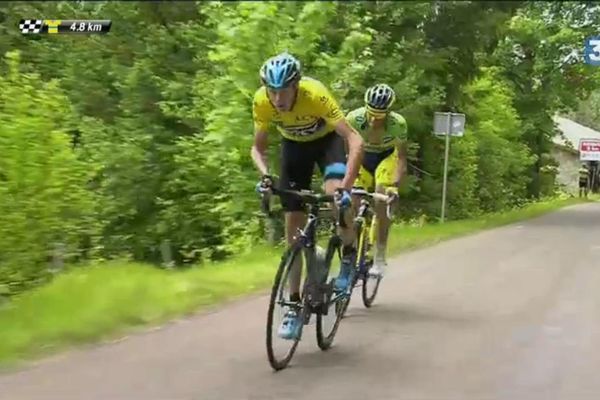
380,97
280,71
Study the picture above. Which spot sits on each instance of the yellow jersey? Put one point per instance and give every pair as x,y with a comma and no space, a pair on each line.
313,115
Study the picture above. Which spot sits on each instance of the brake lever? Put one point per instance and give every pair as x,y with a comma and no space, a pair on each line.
340,212
341,219
266,203
388,209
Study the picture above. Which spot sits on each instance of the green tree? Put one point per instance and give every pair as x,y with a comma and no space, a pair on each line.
161,110
43,195
502,156
588,111
535,58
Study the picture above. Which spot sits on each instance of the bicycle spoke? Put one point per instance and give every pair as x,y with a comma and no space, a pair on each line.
370,284
328,324
280,351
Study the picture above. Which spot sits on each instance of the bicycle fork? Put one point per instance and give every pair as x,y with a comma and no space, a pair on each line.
366,235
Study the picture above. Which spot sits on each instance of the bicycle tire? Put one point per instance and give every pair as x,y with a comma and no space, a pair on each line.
286,261
355,276
366,298
346,303
325,340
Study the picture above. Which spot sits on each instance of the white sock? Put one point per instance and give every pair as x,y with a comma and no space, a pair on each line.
380,253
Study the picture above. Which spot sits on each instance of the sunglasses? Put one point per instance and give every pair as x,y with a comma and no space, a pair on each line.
376,115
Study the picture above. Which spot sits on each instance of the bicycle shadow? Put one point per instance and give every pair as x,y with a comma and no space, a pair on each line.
360,323
403,314
346,353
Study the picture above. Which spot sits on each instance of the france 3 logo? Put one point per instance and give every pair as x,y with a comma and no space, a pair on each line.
592,50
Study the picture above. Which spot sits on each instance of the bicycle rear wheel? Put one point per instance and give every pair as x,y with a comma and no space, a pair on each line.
370,287
329,317
280,302
342,306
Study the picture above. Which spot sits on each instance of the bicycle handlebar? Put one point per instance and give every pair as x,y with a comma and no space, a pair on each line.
318,198
377,196
307,196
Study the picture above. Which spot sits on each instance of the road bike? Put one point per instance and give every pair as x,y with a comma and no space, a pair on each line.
318,296
365,225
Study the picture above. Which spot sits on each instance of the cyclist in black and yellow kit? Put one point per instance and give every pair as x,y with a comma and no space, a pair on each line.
314,131
384,163
583,180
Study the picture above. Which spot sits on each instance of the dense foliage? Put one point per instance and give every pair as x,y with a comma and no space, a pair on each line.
129,143
588,112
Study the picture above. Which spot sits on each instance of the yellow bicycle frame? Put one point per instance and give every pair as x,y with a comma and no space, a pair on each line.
366,233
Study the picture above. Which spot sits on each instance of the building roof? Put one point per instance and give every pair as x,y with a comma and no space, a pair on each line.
572,132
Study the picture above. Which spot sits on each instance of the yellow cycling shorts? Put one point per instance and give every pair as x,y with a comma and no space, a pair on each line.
382,166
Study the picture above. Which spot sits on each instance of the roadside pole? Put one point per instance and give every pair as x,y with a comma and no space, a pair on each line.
448,124
446,154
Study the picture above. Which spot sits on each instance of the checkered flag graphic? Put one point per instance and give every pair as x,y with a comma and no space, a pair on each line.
31,26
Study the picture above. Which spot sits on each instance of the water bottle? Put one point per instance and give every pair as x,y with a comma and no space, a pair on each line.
320,254
324,295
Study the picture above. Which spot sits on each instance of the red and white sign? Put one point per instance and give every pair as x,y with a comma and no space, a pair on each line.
589,149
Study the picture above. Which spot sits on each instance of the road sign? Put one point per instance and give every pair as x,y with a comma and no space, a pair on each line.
592,50
457,124
447,124
589,149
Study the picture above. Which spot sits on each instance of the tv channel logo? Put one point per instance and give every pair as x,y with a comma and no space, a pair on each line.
592,50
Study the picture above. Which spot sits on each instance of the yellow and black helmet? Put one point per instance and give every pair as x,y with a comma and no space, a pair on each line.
379,98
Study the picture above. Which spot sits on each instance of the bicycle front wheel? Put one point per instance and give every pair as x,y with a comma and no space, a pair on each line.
280,351
330,315
370,287
370,283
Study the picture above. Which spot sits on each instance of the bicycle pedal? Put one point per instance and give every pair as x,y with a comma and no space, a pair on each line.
326,287
307,318
322,309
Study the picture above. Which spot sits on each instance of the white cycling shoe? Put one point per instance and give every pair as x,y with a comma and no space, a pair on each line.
377,269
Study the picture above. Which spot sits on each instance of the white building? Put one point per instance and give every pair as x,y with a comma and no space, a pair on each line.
566,151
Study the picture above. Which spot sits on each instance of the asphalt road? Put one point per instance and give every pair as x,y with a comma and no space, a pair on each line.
511,313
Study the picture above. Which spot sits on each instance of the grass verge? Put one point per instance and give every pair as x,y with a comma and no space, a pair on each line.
98,302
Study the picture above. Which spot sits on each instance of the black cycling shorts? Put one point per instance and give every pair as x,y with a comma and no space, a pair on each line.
298,161
583,183
372,160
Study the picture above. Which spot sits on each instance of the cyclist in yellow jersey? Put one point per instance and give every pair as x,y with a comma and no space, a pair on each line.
314,131
384,162
583,180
